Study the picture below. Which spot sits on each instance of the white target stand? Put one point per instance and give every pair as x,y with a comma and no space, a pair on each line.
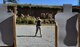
66,22
6,27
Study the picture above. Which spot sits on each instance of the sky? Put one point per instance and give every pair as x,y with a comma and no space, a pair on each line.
47,2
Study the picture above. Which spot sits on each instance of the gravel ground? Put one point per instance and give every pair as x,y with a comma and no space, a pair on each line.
25,36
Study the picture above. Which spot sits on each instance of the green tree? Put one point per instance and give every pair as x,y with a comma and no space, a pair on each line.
4,1
13,1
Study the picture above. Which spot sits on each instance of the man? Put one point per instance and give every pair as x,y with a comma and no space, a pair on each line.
38,24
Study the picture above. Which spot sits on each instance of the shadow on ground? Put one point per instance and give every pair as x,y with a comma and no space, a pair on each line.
27,36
